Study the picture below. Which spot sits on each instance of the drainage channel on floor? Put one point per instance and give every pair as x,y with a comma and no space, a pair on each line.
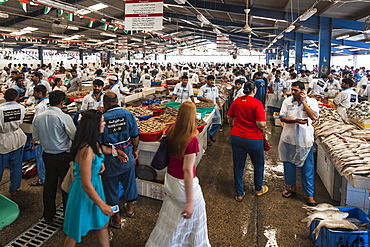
39,233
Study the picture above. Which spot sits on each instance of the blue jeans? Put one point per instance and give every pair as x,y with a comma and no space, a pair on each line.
213,129
307,174
13,161
241,147
40,163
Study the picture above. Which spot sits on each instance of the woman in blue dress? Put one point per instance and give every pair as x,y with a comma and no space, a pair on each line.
86,208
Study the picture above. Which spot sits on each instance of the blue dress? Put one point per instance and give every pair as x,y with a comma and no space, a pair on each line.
82,214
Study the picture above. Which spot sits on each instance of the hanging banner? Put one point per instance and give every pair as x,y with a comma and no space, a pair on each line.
223,42
144,15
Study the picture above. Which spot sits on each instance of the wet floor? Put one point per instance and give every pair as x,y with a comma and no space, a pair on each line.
270,220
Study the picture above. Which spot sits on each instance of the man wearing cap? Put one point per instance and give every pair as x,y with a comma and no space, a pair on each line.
76,83
114,87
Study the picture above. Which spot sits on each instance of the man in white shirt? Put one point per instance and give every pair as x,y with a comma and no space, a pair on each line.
363,82
317,86
115,88
146,79
183,91
278,88
12,139
39,93
94,100
11,83
333,86
193,78
346,98
209,93
36,80
42,70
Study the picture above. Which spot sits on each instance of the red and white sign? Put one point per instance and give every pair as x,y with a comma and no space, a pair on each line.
223,42
144,15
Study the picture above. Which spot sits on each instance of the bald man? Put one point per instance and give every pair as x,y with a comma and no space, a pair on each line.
122,132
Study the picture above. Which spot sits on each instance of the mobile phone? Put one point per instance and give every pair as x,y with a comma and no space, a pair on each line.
115,209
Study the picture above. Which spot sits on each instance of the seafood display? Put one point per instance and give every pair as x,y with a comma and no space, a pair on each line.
329,214
140,111
171,111
163,118
204,104
156,106
201,122
149,126
78,93
334,223
327,114
359,111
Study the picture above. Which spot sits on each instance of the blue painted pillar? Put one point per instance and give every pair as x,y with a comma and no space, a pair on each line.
41,53
286,53
324,45
267,57
355,61
156,57
108,57
165,57
298,51
81,56
273,54
129,55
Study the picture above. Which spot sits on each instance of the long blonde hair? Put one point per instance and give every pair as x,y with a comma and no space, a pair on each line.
183,130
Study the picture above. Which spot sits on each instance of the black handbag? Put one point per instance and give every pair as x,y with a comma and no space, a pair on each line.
161,157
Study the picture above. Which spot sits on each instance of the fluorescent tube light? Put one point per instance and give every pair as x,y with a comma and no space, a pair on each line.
93,40
4,15
108,34
279,36
9,29
71,27
98,6
343,36
306,15
204,20
57,35
58,5
290,28
180,1
216,31
31,29
172,5
19,33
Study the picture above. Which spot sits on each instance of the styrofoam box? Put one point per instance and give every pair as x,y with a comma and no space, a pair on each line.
277,119
150,189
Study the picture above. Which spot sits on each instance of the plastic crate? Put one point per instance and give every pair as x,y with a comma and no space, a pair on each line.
333,238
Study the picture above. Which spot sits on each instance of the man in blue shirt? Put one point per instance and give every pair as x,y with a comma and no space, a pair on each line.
55,130
120,132
21,89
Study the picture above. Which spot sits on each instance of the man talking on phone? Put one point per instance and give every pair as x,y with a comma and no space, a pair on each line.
296,141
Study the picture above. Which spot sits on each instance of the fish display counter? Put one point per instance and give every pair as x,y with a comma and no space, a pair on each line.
343,159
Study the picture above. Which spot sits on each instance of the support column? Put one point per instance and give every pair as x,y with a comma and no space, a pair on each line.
156,57
267,57
108,57
81,56
298,51
324,45
354,61
129,55
286,53
41,54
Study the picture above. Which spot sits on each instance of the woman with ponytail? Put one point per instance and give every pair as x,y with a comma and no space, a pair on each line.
247,120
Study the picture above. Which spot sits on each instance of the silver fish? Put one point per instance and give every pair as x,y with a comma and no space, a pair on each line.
334,223
329,214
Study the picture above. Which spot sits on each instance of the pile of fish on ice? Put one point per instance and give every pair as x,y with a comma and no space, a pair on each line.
347,145
330,217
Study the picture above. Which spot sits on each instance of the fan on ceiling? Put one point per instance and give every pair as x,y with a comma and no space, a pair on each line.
249,29
60,25
366,29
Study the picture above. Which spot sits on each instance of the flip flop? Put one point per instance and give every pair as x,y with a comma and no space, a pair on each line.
289,193
311,204
239,200
114,225
266,189
36,183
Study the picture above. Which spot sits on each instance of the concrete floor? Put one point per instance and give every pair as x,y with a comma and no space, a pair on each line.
253,222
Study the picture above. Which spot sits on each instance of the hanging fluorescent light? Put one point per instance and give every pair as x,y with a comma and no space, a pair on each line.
9,29
279,36
108,34
172,5
216,30
306,15
4,15
180,1
30,29
290,28
58,5
93,40
274,41
343,36
57,35
202,19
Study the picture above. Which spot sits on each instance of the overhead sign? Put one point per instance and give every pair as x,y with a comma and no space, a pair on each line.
144,15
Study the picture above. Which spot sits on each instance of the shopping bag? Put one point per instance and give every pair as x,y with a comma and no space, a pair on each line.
161,157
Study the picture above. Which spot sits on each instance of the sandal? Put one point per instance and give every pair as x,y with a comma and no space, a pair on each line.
36,183
130,215
264,190
238,199
311,204
209,143
114,225
288,193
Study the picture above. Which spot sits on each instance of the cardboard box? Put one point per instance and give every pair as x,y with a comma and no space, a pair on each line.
150,189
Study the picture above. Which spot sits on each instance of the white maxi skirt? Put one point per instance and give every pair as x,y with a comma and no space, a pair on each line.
172,229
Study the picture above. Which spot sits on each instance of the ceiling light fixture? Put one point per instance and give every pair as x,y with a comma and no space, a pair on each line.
58,5
57,35
30,29
216,30
108,34
93,40
4,15
343,36
290,28
203,19
279,36
306,15
172,5
180,1
9,29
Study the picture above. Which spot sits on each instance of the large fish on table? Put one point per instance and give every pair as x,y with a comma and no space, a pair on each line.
334,223
329,214
321,207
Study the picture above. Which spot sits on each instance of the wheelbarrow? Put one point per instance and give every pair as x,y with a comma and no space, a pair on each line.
9,211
